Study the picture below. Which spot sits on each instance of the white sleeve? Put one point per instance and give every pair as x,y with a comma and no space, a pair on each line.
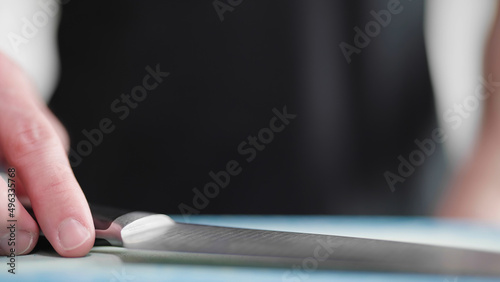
455,34
28,35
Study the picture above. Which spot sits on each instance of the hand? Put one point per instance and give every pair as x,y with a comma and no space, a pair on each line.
475,191
34,143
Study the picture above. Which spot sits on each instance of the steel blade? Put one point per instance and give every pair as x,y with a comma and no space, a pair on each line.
225,245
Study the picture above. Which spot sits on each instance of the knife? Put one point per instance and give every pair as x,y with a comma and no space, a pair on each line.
205,244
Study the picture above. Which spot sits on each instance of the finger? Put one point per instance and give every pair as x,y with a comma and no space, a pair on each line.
21,193
57,125
31,145
2,161
18,233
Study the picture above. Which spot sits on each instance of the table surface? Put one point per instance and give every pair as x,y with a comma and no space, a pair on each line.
111,263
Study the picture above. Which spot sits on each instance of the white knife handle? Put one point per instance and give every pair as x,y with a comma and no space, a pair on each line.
113,224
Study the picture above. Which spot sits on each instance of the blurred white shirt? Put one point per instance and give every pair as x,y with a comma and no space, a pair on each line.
28,30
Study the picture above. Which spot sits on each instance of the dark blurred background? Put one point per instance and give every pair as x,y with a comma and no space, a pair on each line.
353,120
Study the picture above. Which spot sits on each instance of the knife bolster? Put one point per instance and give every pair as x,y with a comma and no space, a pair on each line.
133,227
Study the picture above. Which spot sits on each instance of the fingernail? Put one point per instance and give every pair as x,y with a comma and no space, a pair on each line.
72,234
20,242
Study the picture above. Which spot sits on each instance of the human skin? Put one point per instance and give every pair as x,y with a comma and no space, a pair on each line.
475,191
34,143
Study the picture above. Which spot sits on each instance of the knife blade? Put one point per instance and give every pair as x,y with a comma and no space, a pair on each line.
205,244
